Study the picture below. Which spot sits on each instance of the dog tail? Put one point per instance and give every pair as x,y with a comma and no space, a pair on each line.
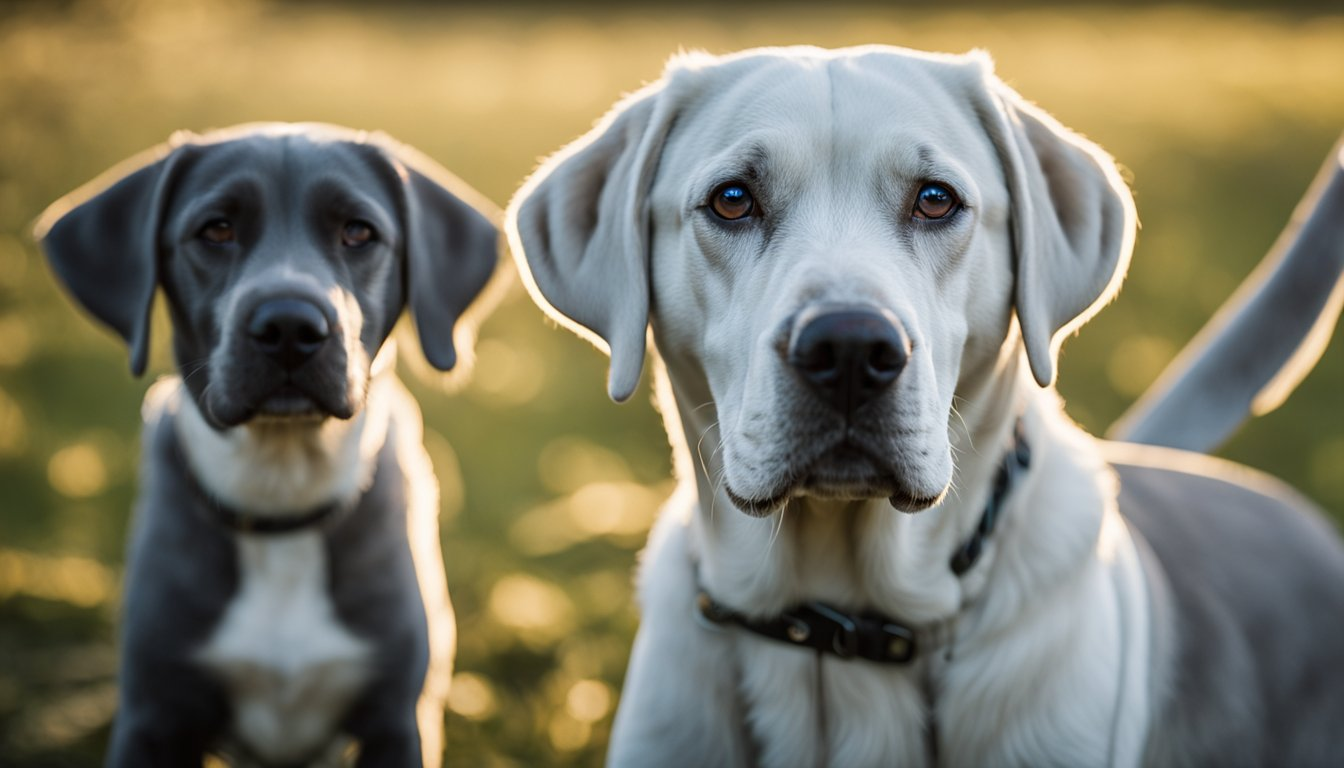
1263,341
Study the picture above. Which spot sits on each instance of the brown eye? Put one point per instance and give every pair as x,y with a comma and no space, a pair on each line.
731,201
935,201
356,233
218,232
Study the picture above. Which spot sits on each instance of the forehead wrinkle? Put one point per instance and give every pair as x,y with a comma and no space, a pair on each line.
220,195
748,159
338,193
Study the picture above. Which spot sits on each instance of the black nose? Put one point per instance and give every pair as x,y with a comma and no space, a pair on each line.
289,331
848,355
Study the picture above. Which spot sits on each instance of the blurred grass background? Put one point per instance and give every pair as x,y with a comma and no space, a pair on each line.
1220,116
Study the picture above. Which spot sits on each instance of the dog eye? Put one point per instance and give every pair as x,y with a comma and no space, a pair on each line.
935,201
356,233
731,201
218,232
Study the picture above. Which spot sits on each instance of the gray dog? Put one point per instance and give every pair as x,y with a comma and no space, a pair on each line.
285,590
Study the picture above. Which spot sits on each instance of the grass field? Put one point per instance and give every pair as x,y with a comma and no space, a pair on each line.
1219,118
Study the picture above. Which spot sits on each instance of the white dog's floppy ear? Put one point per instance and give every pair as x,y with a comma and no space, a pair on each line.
452,248
579,229
102,241
1073,223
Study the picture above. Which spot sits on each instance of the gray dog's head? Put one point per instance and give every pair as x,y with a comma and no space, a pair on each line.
830,246
286,253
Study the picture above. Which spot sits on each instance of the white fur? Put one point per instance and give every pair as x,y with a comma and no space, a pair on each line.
279,466
1050,657
289,665
1047,661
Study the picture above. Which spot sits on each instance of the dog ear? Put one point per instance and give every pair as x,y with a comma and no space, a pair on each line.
579,230
102,241
1073,223
452,248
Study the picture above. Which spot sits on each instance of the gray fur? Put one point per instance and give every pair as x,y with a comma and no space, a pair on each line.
1250,610
181,575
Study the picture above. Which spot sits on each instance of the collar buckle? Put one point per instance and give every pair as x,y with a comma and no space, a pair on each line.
844,632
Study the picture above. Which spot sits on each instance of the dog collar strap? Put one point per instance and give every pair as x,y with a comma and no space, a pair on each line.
825,629
1015,462
250,522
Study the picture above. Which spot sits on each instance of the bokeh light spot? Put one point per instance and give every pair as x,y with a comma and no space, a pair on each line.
568,734
77,471
472,697
78,581
588,701
621,511
568,463
531,605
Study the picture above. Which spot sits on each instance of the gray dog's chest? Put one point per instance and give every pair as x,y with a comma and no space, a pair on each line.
291,667
300,629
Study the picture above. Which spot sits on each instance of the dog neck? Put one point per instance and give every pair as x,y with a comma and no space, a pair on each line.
864,553
284,467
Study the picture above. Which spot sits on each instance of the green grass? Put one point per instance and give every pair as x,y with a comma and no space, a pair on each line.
1220,118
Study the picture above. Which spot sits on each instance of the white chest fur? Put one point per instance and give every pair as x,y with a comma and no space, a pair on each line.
289,666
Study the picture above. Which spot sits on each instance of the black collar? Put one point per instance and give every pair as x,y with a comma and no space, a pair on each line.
251,522
242,521
871,635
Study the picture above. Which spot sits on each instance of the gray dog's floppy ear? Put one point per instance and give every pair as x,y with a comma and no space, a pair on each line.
579,230
452,248
103,244
1073,222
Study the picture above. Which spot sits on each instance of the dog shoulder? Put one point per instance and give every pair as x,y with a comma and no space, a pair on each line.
1167,487
1255,574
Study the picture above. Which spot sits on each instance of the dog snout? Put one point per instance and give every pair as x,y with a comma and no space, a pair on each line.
847,355
288,331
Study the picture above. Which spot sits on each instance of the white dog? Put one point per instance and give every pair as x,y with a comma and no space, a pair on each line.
890,546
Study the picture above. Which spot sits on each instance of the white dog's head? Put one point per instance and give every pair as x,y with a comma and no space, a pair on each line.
827,244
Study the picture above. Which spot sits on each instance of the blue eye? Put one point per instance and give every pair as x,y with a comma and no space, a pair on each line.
731,201
935,201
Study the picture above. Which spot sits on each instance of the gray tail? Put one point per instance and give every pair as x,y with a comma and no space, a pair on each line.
1263,341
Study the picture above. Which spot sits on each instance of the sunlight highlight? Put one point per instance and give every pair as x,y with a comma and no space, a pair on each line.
588,701
539,610
78,581
472,697
77,471
623,512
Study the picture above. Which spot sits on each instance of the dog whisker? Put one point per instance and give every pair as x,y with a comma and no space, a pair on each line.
703,466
